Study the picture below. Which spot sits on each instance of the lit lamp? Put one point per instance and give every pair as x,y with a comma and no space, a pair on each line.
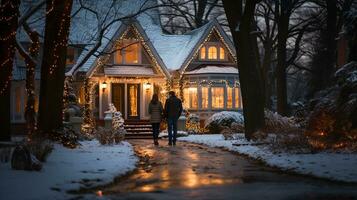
104,86
147,86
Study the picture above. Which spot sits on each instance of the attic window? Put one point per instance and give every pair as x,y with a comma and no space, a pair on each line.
212,51
128,53
203,53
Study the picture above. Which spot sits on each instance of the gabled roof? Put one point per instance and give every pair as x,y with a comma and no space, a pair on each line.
212,26
171,52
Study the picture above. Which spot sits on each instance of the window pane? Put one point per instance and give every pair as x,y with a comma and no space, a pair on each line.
229,97
217,97
237,98
118,58
193,98
203,53
186,98
221,53
212,52
204,91
132,54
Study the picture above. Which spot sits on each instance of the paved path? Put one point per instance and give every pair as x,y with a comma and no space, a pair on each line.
191,171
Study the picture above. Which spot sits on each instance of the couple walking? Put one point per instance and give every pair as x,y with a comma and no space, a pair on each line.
171,112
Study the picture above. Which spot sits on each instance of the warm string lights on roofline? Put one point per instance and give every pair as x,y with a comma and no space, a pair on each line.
209,83
200,46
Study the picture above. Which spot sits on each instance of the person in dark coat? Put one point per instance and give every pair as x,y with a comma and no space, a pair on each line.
155,111
172,112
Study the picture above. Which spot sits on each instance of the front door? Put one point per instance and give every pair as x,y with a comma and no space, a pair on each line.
118,97
133,93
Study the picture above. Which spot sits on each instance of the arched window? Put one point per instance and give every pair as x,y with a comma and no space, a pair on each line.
212,53
221,53
203,53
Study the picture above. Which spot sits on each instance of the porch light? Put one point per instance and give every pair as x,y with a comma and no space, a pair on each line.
147,86
104,86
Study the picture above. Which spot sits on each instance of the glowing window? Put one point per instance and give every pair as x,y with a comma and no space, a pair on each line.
186,98
229,97
237,98
221,53
190,98
212,53
193,98
217,97
203,53
204,96
118,57
128,52
132,54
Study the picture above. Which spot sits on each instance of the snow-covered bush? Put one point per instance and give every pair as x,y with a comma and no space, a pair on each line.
217,121
117,133
237,127
109,137
275,123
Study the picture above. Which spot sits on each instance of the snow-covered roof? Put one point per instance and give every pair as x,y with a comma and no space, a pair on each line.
170,51
214,70
129,71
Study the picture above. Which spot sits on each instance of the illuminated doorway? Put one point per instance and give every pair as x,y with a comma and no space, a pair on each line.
133,93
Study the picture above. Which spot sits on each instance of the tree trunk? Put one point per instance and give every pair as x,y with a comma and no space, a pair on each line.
281,87
249,74
30,113
331,42
9,13
53,65
267,78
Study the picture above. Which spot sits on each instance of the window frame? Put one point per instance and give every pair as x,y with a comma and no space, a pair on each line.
218,46
123,54
223,96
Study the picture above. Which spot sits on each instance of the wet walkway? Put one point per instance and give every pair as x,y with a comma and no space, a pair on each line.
191,171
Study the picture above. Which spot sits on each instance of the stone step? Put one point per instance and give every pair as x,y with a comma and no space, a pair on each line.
138,136
137,125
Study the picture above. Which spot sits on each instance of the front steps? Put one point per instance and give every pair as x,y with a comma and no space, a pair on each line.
138,129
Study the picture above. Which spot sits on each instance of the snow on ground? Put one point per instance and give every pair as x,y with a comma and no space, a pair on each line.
88,165
334,166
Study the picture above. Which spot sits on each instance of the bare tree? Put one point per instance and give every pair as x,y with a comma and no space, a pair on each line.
180,16
240,19
9,13
53,64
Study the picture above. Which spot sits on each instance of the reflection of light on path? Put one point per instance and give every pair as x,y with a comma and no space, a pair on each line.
191,179
147,188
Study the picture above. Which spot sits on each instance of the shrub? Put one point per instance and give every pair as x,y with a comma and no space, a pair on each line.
40,148
217,121
109,137
275,123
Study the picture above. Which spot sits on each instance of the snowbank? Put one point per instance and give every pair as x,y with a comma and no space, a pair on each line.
89,165
334,166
